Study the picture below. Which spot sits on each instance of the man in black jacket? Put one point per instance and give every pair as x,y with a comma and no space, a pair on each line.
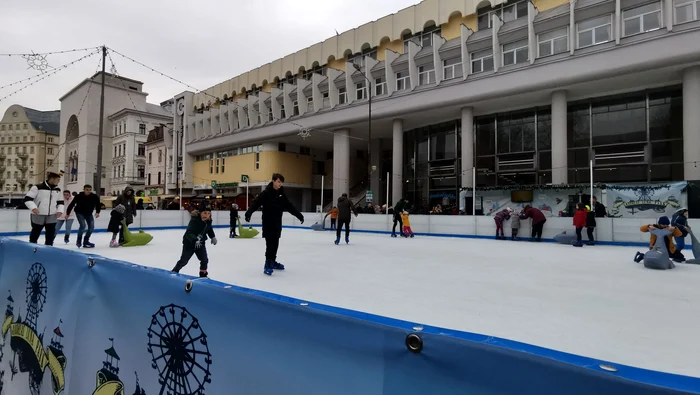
400,206
345,207
233,218
274,203
194,241
85,203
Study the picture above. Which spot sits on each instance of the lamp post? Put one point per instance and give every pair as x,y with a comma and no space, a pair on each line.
369,122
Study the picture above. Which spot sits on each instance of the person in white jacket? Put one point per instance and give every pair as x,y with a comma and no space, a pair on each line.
65,218
46,204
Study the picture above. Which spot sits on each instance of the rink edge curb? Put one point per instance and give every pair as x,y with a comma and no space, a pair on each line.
381,232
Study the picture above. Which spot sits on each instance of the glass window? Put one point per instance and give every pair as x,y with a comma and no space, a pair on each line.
426,76
665,115
544,129
482,61
142,129
361,91
667,152
515,53
620,120
342,96
594,31
403,81
507,12
485,136
672,172
685,10
379,86
516,132
452,68
578,126
553,42
641,19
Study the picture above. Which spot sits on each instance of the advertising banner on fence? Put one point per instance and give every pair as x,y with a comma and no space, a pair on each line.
77,324
646,201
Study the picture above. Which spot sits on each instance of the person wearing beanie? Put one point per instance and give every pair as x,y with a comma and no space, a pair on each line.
590,224
46,204
500,218
115,224
664,223
680,221
194,241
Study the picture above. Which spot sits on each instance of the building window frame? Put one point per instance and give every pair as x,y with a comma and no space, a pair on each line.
454,67
342,96
677,4
481,58
515,49
605,21
425,76
501,10
403,82
549,38
361,90
640,14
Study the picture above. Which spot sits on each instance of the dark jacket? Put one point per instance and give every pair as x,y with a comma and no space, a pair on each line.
129,203
115,221
197,229
503,215
599,210
85,204
590,219
345,209
233,215
580,218
536,215
399,207
274,203
680,221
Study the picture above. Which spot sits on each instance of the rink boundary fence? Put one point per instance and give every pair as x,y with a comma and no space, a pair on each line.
379,232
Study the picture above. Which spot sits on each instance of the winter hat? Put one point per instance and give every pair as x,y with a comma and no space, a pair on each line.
682,210
664,221
205,208
510,210
588,207
120,209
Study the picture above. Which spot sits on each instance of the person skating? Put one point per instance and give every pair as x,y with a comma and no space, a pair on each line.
194,241
538,220
46,204
579,222
85,203
345,208
680,221
274,203
334,217
400,206
115,224
407,231
590,224
127,200
233,217
665,223
515,225
499,219
65,218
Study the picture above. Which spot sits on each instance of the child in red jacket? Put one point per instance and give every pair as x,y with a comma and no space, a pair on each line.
579,222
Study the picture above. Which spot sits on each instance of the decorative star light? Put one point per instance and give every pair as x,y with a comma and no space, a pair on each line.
304,133
36,62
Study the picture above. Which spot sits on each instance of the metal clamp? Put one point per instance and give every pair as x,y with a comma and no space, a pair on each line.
414,343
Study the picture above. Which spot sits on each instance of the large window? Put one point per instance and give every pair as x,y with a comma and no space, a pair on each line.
379,86
361,91
553,42
342,96
426,76
514,53
594,31
452,68
482,61
403,81
641,19
685,10
507,12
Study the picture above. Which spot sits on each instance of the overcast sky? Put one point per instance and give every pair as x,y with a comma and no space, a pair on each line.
200,42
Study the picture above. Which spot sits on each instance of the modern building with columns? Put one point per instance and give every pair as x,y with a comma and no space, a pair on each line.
515,93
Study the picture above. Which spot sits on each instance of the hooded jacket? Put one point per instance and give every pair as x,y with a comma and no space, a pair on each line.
345,208
197,228
274,203
48,199
129,203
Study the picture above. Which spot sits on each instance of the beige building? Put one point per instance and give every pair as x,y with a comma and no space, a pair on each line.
156,155
28,145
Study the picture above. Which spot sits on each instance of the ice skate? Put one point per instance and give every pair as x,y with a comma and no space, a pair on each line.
66,239
411,236
268,268
277,266
578,244
337,241
87,244
203,274
393,235
113,244
79,242
347,240
591,243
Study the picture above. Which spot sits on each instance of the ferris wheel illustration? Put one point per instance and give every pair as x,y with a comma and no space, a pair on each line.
179,351
36,294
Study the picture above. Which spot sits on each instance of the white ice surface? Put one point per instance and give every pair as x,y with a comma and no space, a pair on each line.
591,301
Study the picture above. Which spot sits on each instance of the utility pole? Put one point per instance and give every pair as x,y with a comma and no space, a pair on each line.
98,181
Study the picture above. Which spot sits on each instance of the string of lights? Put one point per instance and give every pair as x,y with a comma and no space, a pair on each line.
49,53
49,74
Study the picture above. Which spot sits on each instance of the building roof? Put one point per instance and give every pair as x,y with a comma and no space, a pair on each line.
151,110
47,121
155,135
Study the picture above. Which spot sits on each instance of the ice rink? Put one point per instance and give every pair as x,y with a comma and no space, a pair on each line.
591,301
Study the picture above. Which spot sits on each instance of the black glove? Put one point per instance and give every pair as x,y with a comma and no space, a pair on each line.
247,218
301,218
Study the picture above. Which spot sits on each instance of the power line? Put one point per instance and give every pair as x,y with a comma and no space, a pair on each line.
49,74
47,53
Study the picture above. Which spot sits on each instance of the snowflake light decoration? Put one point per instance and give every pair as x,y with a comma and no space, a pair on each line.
305,133
36,62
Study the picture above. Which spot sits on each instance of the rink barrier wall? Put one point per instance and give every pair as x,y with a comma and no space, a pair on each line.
308,348
610,231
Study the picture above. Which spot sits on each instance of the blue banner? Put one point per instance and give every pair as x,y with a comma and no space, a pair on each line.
79,324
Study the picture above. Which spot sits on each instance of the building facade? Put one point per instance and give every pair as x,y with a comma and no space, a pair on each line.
127,116
156,162
464,93
28,146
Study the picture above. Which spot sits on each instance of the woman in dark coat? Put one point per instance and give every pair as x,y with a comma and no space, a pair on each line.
126,199
538,220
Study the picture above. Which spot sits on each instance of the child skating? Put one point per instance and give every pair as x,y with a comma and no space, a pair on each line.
499,218
515,225
115,224
579,222
194,241
407,232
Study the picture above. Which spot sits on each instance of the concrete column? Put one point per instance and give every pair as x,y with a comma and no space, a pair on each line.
691,122
374,184
559,143
397,163
467,146
341,163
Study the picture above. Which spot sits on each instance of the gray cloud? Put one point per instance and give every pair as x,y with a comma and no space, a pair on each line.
200,42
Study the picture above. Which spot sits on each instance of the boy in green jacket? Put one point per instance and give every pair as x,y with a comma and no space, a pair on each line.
194,241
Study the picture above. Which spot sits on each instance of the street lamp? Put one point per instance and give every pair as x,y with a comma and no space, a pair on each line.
369,122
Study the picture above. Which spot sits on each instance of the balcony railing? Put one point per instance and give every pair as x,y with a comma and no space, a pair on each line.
22,167
23,155
2,157
22,181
